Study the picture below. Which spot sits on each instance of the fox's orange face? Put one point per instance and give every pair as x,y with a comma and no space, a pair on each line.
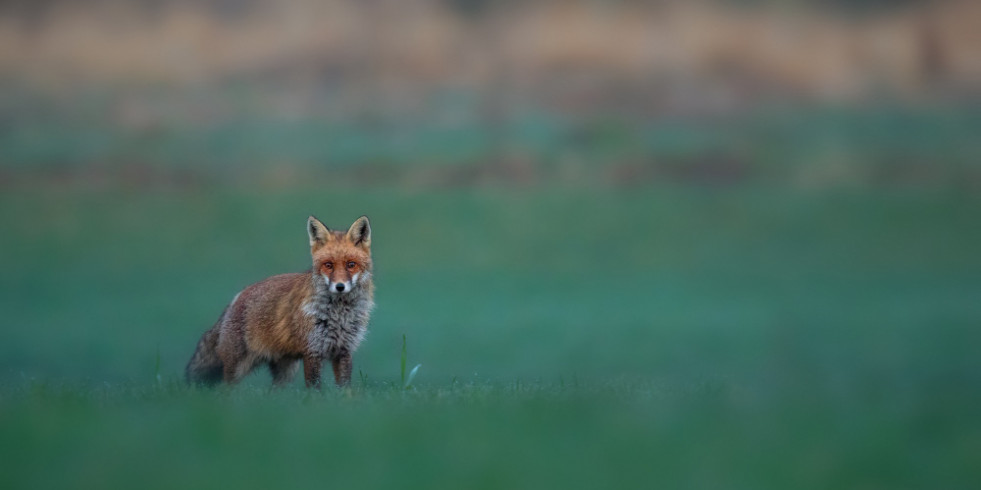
342,259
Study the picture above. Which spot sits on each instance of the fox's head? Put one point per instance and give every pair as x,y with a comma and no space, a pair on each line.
341,259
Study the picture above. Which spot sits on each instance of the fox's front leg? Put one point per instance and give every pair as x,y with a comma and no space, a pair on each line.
342,368
311,370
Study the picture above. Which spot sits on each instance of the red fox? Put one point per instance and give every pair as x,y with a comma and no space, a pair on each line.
311,316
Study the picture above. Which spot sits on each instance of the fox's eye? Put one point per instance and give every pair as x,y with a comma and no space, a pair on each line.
328,265
350,265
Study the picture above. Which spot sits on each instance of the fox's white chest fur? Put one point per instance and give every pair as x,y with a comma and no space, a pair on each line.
340,321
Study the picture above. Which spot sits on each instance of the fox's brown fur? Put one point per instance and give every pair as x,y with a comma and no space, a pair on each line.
313,316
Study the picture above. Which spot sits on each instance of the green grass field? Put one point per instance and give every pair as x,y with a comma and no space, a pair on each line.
746,337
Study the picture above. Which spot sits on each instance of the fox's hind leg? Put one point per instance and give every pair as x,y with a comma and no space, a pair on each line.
283,370
235,370
229,373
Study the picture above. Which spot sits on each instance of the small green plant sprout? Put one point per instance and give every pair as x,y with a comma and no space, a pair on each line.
156,367
407,380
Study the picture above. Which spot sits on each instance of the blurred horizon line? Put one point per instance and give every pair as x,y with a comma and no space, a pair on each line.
568,50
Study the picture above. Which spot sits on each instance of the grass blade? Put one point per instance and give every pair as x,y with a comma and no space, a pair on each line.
404,356
412,374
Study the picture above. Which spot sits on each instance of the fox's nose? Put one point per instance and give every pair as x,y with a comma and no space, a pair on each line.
340,287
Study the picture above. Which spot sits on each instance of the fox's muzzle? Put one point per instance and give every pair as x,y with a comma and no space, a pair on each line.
341,287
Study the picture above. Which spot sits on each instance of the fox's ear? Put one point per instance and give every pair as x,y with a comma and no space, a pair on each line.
360,232
319,234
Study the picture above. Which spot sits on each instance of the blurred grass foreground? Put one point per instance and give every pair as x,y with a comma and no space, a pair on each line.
632,244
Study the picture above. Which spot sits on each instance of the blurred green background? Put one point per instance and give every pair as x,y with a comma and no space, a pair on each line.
699,245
